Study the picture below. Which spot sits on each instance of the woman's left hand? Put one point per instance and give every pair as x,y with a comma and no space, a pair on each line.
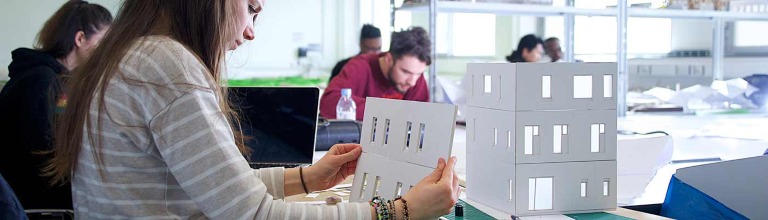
338,164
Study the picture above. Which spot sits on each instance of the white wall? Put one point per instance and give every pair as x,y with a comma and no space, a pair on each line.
285,25
21,20
281,28
509,30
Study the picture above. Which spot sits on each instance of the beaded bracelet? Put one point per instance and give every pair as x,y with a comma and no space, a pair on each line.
393,211
405,208
385,211
376,203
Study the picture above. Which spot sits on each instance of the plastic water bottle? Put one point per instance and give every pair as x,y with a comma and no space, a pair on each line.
346,108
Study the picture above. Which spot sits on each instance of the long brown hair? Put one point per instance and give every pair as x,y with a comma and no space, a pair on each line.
57,37
204,26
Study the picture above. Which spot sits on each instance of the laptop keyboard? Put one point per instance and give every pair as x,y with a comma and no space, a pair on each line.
270,165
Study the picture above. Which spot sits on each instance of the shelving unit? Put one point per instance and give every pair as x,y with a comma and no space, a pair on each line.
507,9
695,14
622,12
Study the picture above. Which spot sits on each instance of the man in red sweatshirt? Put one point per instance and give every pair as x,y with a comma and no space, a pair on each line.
396,74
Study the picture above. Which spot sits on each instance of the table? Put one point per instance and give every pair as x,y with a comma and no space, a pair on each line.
320,199
697,140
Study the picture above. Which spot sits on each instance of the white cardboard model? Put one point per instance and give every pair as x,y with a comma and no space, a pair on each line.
542,137
738,184
402,141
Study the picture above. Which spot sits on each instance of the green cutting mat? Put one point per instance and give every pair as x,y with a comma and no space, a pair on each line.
597,216
470,212
279,81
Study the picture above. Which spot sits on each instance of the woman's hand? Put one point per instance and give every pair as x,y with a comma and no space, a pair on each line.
435,195
338,164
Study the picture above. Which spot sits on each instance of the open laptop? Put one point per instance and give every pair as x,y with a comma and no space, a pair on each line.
280,122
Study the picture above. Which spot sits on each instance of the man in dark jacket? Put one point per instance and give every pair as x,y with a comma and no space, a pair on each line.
28,101
370,43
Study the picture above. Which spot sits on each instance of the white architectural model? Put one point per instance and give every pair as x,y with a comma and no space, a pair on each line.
402,141
541,137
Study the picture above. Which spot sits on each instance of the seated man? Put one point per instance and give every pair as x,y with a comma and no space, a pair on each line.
396,74
552,49
370,42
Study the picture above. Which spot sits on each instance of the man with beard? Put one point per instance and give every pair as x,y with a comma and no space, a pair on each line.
396,74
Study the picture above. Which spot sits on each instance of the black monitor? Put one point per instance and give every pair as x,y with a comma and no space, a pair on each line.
280,123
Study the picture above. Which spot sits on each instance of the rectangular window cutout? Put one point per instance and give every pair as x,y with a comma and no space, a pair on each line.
398,190
544,193
557,141
486,84
595,138
535,130
605,187
376,186
495,137
373,130
602,128
546,87
408,135
565,129
386,132
531,193
607,86
500,93
583,188
474,129
509,139
511,190
540,193
421,136
365,183
582,87
528,140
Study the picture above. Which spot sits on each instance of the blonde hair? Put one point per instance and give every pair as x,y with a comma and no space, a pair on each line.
204,26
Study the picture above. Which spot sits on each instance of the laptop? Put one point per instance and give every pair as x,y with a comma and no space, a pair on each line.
280,123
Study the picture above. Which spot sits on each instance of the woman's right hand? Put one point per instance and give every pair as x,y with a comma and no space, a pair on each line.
436,194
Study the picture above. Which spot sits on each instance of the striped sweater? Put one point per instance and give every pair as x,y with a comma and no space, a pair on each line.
169,153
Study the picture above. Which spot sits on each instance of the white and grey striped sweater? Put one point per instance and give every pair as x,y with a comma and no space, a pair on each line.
168,150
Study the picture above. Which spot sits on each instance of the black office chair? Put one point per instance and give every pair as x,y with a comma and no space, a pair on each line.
11,209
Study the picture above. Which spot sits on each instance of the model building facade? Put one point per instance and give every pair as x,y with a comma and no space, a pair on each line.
402,141
541,137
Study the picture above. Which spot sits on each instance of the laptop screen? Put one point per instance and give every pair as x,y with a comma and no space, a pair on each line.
280,123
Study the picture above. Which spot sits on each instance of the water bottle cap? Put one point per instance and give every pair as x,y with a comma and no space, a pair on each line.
346,92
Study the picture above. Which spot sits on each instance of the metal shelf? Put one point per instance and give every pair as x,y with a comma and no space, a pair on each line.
622,12
695,14
508,9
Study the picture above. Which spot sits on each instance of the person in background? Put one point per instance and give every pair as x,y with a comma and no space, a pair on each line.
29,101
149,131
370,43
552,49
529,49
396,74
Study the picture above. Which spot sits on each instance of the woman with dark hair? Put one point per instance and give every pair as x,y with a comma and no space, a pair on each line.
529,49
28,101
149,132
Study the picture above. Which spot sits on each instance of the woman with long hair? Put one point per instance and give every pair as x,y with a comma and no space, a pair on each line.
28,102
529,49
148,132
